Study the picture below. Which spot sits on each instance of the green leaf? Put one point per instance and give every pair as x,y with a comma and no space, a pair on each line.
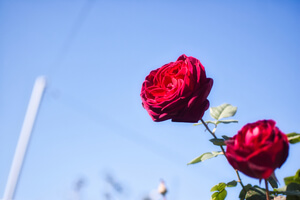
222,111
221,192
293,137
255,193
226,137
205,156
294,191
288,180
227,121
218,187
293,179
231,183
279,190
243,192
207,122
297,175
219,195
273,182
218,141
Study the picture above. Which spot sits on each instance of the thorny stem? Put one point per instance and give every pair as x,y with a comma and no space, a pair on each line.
240,180
203,122
236,171
267,190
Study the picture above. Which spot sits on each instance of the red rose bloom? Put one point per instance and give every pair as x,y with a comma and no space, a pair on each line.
177,91
258,149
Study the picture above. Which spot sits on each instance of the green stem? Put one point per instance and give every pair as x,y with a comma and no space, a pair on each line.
203,122
267,190
236,171
239,179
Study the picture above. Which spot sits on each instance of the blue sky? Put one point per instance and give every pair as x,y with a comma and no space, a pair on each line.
95,56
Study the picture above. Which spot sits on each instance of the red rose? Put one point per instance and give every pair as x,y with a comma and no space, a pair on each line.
177,91
258,149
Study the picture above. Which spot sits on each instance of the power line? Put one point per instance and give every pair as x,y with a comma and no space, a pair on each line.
77,25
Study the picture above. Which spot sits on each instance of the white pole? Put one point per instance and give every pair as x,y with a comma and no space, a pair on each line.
24,137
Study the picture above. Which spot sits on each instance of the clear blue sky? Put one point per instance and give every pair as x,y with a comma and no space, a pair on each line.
96,54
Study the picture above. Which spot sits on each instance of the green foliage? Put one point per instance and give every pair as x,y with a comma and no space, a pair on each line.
222,111
249,192
255,193
243,192
227,121
279,190
218,141
225,137
273,181
293,137
207,122
293,191
292,188
231,183
218,187
293,179
205,156
220,193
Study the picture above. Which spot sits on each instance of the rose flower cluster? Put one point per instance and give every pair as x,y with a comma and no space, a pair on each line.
179,90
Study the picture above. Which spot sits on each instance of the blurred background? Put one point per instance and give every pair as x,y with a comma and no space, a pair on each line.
92,138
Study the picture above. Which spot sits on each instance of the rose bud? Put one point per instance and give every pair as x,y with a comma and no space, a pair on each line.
177,90
258,149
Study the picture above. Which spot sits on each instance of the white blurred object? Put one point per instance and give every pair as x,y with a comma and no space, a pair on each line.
280,198
26,130
162,189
